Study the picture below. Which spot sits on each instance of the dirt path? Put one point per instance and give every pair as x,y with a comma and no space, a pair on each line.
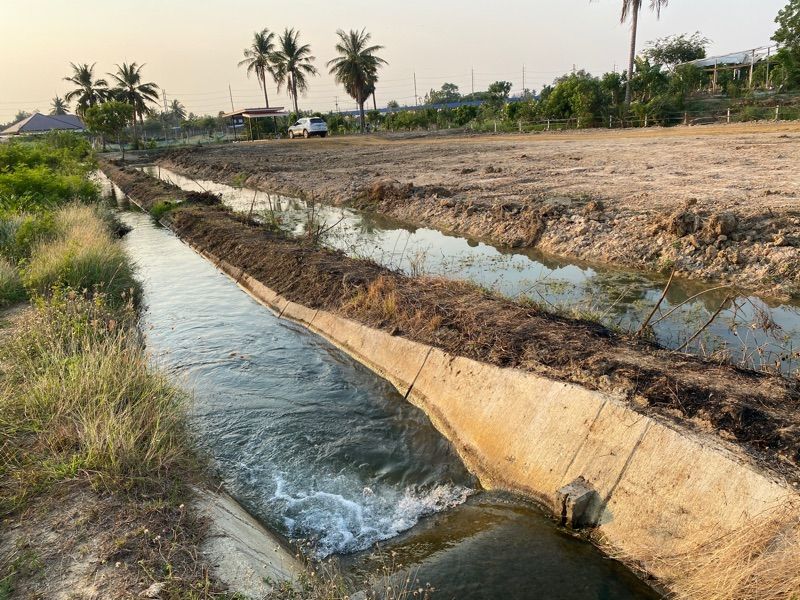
717,202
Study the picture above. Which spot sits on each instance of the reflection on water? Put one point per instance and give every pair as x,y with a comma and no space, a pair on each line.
319,447
750,331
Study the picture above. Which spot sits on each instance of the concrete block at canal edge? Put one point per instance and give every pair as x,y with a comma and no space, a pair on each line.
578,503
243,554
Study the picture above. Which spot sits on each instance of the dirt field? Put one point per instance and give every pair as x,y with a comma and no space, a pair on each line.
717,202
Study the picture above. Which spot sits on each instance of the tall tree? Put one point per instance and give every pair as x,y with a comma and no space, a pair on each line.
177,110
132,90
632,8
292,64
58,106
356,67
258,59
90,91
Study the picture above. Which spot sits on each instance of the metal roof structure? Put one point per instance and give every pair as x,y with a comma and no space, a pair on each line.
39,123
743,58
257,113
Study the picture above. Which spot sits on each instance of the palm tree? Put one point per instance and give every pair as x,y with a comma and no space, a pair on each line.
131,90
177,110
58,106
258,58
633,8
292,63
90,91
356,67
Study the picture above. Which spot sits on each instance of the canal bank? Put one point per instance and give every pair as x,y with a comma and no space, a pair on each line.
666,491
319,448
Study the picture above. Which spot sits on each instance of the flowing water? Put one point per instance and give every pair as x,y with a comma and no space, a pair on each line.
750,331
318,447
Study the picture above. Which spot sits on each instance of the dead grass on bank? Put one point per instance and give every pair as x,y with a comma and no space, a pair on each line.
760,561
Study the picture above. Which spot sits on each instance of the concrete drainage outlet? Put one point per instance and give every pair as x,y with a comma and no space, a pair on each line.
578,504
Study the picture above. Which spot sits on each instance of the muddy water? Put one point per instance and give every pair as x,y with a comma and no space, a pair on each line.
318,447
750,331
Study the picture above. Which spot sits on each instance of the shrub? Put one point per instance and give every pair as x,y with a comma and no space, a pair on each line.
19,234
38,186
160,209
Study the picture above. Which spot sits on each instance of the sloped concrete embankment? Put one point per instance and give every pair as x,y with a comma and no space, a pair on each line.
663,496
662,492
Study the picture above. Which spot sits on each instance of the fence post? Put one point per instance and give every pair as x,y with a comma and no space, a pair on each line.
548,124
520,125
495,125
646,119
778,113
729,116
610,121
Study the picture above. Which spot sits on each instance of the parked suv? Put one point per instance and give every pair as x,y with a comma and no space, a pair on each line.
307,127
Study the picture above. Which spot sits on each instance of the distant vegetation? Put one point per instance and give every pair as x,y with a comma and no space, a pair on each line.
660,87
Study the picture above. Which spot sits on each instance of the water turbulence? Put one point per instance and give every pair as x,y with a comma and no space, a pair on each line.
318,447
749,331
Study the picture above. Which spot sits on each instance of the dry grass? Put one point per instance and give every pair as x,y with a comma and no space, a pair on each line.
82,255
758,562
11,290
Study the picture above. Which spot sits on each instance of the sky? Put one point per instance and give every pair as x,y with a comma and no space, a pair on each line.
191,47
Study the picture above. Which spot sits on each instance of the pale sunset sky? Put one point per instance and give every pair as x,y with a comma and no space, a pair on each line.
191,47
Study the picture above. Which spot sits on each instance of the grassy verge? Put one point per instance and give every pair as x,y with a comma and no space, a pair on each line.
95,457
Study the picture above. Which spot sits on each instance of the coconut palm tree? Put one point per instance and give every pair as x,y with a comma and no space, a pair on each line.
177,110
90,91
356,67
58,106
632,8
258,59
292,64
132,90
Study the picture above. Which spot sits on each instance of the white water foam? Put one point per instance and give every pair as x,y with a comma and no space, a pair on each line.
353,517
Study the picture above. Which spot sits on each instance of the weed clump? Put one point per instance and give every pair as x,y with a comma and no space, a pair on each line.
11,290
83,255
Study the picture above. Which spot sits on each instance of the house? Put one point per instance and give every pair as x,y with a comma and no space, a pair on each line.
39,123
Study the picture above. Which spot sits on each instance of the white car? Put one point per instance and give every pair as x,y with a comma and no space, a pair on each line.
308,126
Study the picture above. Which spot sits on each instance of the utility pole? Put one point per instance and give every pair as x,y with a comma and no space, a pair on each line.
164,119
233,119
416,97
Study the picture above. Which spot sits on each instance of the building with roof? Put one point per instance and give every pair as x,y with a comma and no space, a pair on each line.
39,123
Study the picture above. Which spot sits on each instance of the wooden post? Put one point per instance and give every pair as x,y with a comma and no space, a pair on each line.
520,125
646,119
729,116
778,113
714,81
495,125
686,118
610,121
548,124
768,57
752,66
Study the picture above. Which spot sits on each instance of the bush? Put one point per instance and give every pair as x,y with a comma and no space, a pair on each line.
20,233
11,290
38,186
160,209
83,256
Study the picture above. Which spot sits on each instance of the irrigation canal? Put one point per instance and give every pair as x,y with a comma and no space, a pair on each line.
319,448
751,331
